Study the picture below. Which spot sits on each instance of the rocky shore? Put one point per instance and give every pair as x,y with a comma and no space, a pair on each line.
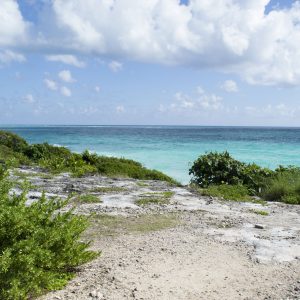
161,241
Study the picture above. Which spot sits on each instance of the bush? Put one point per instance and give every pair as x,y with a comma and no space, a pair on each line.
15,150
12,141
284,186
39,247
220,168
112,166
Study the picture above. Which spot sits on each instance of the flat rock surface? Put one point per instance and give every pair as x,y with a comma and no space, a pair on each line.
216,250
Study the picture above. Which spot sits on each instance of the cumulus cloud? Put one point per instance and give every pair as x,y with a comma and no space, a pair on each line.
202,101
66,76
230,86
231,35
115,66
13,28
66,59
65,91
50,84
234,36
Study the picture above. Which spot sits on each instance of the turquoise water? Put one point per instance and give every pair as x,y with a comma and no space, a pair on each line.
172,149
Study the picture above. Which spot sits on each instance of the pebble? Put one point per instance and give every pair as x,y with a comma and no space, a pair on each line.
96,294
259,226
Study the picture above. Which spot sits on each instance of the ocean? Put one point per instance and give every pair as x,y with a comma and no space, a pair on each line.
172,149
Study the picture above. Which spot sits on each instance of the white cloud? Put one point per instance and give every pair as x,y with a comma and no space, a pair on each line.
65,91
13,28
97,89
66,76
202,101
230,35
66,59
233,36
115,66
230,86
120,109
8,56
270,110
29,99
50,84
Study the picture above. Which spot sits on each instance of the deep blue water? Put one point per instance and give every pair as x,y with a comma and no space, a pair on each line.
172,149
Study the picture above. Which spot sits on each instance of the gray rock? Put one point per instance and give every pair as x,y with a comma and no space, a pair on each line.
259,226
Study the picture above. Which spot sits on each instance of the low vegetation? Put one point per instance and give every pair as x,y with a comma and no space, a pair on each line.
259,212
15,151
88,198
228,192
158,198
39,247
111,189
220,175
108,225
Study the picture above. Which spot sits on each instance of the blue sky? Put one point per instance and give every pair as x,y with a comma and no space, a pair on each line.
229,62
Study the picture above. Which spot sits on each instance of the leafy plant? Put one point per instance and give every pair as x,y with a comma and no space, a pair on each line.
112,166
39,246
284,186
220,168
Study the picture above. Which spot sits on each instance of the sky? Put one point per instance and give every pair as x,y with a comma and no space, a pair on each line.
150,62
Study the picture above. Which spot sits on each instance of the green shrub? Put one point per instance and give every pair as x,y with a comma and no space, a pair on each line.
12,141
39,247
14,150
112,166
284,186
220,168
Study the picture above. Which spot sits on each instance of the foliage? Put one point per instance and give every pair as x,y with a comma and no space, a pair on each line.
112,166
227,192
284,186
220,168
12,141
15,150
39,247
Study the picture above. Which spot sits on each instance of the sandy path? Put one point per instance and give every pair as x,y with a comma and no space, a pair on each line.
180,263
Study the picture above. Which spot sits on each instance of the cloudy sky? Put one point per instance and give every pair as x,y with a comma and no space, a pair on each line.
197,62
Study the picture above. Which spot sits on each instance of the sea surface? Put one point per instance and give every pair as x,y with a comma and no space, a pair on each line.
172,149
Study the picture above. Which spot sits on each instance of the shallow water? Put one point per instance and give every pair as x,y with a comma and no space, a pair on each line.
172,149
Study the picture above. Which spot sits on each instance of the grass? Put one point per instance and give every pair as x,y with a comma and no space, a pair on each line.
142,184
227,192
88,198
259,212
32,174
285,187
158,198
108,225
112,189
